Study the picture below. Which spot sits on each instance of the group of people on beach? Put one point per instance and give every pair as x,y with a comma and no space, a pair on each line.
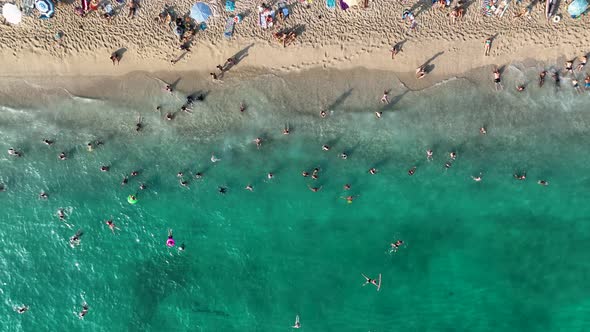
556,75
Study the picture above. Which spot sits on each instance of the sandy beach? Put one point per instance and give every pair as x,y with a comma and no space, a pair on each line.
335,39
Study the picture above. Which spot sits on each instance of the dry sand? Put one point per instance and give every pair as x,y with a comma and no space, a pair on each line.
358,37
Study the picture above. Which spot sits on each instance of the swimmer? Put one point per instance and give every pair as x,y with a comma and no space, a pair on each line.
395,246
249,187
497,79
477,178
582,63
520,177
142,186
138,125
258,142
47,142
378,115
169,116
124,181
453,155
411,171
111,225
315,173
75,239
349,199
89,147
158,109
134,173
84,311
2,187
385,98
483,131
198,175
270,176
543,182
297,324
181,247
305,174
520,88
21,309
325,148
569,66
448,165
170,242
61,214
429,155
190,100
62,156
373,171
368,280
168,88
242,108
346,187
343,156
13,152
179,174
104,168
214,159
43,195
314,189
183,183
222,190
323,114
556,78
576,85
286,130
185,109
542,78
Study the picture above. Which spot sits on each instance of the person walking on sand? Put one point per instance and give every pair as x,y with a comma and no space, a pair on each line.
420,72
395,50
115,57
213,76
368,280
385,98
487,47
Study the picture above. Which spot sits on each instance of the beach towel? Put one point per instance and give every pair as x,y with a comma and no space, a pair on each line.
486,8
230,23
262,18
283,8
501,9
331,4
230,6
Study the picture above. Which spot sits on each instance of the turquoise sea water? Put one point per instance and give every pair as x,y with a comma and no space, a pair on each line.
501,254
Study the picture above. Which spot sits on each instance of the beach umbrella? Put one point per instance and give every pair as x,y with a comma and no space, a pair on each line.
200,12
45,7
577,8
11,13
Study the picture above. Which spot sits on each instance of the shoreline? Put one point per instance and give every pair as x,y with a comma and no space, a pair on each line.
445,62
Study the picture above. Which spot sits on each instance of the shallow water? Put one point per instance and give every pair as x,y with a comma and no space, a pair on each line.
501,254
